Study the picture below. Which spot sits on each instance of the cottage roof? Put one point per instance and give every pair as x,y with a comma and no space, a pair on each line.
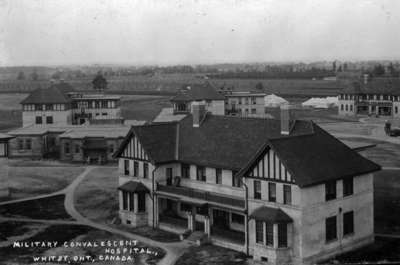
270,215
205,91
309,153
133,186
55,94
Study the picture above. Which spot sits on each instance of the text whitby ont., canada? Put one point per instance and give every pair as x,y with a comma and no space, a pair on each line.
108,250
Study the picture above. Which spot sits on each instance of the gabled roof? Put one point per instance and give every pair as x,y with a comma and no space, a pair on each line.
205,91
270,215
381,86
56,94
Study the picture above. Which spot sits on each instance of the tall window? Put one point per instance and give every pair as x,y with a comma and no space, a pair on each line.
131,202
271,192
330,190
347,186
257,189
126,167
287,194
38,120
282,235
49,119
124,200
218,176
330,229
141,202
135,169
201,176
168,172
269,235
236,181
259,231
237,218
185,171
20,144
66,148
145,170
28,144
77,148
348,223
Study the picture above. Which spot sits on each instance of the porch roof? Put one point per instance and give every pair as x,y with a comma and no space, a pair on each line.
133,186
272,215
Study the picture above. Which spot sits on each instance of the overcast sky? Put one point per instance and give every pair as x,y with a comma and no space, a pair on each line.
54,32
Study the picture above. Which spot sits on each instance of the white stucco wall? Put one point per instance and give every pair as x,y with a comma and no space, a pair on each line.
60,118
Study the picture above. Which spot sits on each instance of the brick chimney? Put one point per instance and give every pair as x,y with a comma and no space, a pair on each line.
285,119
199,113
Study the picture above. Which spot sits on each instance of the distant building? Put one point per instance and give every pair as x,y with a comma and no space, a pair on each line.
376,96
245,104
206,93
283,191
4,184
60,105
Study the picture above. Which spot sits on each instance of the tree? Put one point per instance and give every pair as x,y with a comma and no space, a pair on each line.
259,86
21,75
99,82
378,70
34,76
56,75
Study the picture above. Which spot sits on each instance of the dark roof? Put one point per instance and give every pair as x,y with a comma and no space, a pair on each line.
94,144
271,215
4,136
382,86
205,91
222,141
310,154
56,93
319,157
133,186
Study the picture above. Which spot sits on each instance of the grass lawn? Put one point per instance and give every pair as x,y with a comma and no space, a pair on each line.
381,251
46,208
96,197
143,109
69,234
27,181
211,255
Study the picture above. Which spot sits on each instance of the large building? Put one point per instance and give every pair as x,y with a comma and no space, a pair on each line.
245,104
371,96
283,191
60,105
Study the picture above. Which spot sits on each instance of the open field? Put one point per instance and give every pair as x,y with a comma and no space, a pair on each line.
27,181
69,234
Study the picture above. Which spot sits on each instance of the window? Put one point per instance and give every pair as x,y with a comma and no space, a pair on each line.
169,175
282,235
271,192
38,120
218,176
347,107
347,187
351,107
185,171
135,169
38,107
237,218
396,109
269,235
257,189
141,202
131,202
77,148
236,180
66,148
20,144
145,170
348,223
111,147
124,200
259,232
28,144
104,114
330,229
287,194
126,167
49,119
341,107
253,111
201,176
330,190
49,106
186,207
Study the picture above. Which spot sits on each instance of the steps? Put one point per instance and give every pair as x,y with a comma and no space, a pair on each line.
198,237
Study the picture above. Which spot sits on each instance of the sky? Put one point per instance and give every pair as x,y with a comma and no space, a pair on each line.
55,32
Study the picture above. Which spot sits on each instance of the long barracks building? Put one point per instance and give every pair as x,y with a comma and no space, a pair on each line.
283,191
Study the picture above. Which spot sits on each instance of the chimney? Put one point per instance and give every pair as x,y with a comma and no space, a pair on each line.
365,79
285,119
198,112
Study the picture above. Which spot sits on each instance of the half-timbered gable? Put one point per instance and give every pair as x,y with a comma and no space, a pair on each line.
134,150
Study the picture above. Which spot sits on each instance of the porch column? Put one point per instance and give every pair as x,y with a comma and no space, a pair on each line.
207,226
190,221
290,234
275,228
246,223
135,202
369,109
156,214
